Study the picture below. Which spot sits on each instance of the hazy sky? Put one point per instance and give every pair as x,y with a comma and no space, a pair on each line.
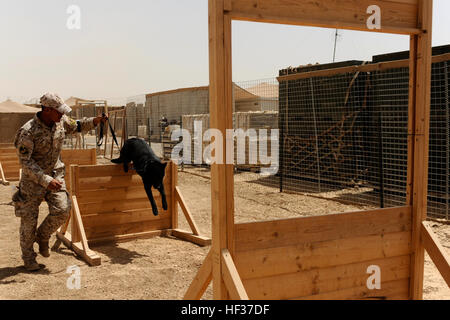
127,48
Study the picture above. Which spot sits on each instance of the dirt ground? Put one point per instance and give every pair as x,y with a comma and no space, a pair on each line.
161,268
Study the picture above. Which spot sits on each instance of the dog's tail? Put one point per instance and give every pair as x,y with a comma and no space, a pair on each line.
117,161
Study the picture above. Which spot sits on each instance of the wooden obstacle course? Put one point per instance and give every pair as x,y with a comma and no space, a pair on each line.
322,257
110,205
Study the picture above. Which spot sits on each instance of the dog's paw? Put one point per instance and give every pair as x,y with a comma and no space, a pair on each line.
165,207
155,212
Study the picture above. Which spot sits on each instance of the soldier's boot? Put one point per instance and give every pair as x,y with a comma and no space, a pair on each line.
31,265
44,249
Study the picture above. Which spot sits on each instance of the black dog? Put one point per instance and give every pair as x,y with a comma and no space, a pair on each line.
147,165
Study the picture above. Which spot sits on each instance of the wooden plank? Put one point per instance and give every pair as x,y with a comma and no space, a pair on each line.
128,237
89,256
436,251
109,182
231,278
197,239
120,206
79,223
7,151
13,158
121,193
129,228
173,180
187,213
104,171
62,230
221,119
421,144
392,290
201,281
12,168
260,235
397,16
319,281
75,233
118,218
307,256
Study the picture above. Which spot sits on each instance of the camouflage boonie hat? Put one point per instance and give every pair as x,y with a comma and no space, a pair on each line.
52,100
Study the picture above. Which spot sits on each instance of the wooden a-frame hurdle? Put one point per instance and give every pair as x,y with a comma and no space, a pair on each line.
323,257
109,205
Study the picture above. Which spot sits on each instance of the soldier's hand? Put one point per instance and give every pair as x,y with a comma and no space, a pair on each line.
55,185
103,119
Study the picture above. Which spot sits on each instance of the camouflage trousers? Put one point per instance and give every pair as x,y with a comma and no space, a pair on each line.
27,201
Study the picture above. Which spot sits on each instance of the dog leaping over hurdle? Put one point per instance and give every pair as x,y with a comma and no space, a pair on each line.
147,165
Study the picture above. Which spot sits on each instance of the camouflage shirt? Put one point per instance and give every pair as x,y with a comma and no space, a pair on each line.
39,147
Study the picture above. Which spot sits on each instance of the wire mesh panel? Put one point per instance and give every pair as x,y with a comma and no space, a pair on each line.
330,137
345,136
439,174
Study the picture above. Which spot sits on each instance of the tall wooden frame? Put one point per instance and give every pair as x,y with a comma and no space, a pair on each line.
407,17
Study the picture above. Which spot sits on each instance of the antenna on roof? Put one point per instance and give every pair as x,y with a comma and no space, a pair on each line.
335,43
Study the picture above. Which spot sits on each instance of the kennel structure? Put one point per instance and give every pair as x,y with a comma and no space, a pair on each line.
324,257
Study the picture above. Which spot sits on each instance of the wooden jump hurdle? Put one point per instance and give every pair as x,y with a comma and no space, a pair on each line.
110,205
323,257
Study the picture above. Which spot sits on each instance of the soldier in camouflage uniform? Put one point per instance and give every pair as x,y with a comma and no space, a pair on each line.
39,143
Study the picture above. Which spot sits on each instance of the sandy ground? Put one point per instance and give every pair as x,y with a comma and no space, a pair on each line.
161,268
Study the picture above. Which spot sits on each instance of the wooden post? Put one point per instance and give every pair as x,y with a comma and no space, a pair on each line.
420,100
222,180
173,198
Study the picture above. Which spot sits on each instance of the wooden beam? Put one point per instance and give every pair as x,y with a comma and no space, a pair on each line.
62,231
173,201
79,223
221,110
231,278
89,256
436,252
421,48
399,17
197,239
187,214
201,280
287,232
129,237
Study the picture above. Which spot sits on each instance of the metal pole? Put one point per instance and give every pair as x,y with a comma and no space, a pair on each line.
316,133
380,155
283,127
447,125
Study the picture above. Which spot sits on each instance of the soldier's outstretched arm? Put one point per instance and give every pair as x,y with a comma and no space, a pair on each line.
73,126
25,145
